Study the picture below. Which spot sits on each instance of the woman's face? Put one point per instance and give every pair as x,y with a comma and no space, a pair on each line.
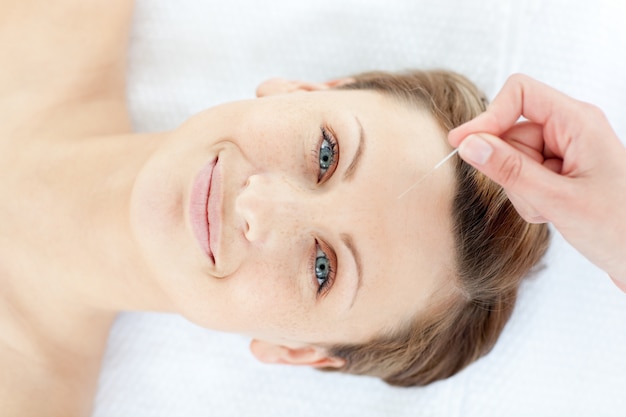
311,244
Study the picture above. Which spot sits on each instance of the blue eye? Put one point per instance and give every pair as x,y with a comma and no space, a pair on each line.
326,153
322,267
323,270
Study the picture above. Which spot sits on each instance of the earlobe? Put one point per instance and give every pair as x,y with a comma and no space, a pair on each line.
621,285
314,356
276,86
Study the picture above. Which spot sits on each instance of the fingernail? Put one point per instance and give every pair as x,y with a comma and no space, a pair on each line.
475,149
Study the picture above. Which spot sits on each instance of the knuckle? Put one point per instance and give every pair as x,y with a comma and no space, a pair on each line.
528,217
526,210
510,170
517,79
537,219
524,213
592,110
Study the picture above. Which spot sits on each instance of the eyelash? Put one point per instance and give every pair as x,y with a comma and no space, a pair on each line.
326,136
324,287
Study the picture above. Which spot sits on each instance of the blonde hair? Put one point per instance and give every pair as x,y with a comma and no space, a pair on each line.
495,250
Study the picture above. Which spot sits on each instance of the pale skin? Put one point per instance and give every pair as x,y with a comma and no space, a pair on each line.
564,165
98,216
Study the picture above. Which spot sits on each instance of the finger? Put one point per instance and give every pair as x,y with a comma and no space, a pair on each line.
520,96
525,209
554,164
526,137
515,171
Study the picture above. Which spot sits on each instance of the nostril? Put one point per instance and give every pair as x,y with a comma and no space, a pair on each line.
246,231
254,208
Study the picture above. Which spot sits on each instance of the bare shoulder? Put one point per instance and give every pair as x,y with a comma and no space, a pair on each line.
27,391
56,54
41,377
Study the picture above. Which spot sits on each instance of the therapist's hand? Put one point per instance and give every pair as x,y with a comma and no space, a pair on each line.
564,164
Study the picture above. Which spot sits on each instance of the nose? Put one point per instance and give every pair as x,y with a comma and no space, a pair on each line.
270,205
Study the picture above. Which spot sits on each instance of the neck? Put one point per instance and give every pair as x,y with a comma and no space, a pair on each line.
69,262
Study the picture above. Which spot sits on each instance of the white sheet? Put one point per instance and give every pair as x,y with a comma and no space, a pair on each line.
563,352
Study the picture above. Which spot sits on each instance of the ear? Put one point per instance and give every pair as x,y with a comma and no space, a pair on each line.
314,356
621,285
275,86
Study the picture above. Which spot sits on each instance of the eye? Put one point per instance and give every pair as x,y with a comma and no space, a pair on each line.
324,273
326,154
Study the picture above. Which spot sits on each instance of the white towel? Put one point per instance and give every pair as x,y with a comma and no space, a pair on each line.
563,352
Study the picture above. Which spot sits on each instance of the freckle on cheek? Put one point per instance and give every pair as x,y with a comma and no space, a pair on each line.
279,300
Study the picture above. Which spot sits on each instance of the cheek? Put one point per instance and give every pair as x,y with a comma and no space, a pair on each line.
270,299
276,143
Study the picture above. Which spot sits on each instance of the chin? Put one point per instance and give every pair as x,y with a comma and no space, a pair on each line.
157,220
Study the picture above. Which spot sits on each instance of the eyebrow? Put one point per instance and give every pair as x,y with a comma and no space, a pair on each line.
349,243
354,164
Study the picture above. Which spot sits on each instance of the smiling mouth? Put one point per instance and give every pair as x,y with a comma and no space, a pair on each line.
199,211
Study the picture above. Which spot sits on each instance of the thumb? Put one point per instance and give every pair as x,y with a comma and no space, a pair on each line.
514,170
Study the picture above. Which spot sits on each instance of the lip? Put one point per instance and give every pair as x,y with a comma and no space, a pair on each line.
199,207
213,212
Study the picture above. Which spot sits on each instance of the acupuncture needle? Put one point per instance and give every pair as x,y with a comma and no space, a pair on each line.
440,163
